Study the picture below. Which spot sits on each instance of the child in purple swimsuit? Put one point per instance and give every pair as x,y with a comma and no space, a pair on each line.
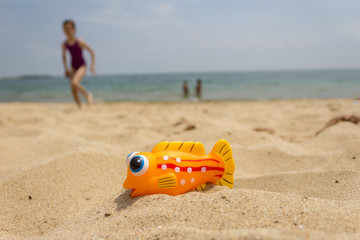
78,65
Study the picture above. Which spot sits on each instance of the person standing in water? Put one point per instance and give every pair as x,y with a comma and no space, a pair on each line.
78,65
186,89
198,88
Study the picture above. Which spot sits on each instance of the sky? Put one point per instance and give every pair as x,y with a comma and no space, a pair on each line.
154,36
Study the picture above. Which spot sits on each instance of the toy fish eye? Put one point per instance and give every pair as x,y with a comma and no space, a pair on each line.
138,165
130,156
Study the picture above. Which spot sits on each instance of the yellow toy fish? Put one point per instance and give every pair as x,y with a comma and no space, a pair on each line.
178,167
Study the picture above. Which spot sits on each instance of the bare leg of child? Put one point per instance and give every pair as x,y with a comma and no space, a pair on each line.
75,83
76,96
74,90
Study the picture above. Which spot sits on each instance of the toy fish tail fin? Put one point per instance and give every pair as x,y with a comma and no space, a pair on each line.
223,150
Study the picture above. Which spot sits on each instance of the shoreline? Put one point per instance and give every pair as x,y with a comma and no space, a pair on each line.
195,101
216,87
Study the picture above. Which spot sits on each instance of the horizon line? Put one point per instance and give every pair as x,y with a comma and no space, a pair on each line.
186,72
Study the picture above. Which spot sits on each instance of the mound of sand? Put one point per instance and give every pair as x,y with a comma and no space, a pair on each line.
61,171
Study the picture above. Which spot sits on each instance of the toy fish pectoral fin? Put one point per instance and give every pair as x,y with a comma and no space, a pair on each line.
195,148
201,187
223,150
167,181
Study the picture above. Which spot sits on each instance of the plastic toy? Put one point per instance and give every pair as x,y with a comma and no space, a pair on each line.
178,167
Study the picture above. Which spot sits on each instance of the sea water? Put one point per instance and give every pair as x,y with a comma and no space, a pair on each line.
216,86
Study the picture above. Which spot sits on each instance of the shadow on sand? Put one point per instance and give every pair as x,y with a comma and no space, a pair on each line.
124,200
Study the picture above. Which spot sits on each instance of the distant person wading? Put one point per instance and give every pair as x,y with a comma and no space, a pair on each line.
186,89
198,88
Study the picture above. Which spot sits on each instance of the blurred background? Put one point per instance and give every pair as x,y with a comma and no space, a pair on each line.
145,49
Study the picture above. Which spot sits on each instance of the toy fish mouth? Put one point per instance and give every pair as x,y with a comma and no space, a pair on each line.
134,192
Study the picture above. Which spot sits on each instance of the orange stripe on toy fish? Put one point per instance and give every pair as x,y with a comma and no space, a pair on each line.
178,167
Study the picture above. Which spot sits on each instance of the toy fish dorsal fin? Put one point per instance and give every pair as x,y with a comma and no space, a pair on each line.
174,146
196,148
186,147
161,146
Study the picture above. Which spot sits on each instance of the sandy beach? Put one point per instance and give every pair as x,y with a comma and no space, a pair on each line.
62,169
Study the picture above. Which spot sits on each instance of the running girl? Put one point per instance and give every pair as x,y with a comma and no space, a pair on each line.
78,65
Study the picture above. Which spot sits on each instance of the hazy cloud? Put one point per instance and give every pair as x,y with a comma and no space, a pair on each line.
162,9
